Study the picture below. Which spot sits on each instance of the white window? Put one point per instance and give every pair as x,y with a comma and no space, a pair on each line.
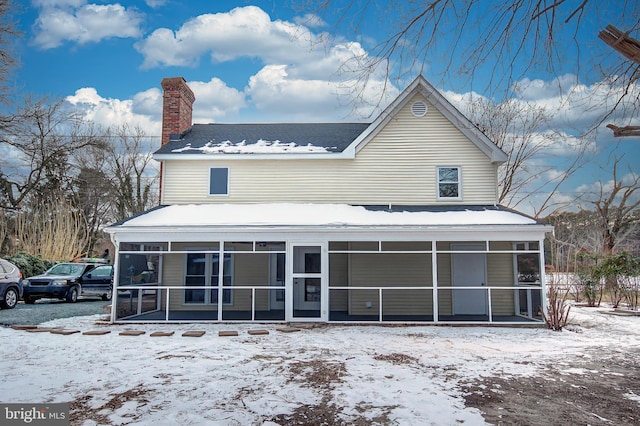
449,187
219,181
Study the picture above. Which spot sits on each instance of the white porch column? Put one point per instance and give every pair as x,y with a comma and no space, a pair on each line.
220,280
543,277
434,278
116,275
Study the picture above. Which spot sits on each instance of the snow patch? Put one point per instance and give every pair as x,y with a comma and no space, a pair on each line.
260,147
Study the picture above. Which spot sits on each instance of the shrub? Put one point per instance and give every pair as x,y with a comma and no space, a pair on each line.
617,269
589,278
30,264
557,314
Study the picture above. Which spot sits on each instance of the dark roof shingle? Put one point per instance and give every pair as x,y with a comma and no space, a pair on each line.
334,137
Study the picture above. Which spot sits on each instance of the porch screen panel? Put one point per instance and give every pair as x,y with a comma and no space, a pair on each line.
338,277
227,279
195,276
500,274
392,270
407,305
528,276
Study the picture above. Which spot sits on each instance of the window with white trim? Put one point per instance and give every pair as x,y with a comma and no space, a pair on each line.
449,187
219,181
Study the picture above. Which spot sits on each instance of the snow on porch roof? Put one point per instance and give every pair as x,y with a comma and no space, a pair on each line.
283,214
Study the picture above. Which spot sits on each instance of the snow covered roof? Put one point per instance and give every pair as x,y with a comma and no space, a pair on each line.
266,138
287,214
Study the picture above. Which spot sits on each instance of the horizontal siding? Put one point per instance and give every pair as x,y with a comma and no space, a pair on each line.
500,274
445,303
398,166
339,277
391,270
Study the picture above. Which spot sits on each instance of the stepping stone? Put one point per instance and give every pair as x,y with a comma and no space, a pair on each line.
162,333
288,329
96,332
306,325
193,333
258,332
64,332
227,333
23,327
40,330
131,333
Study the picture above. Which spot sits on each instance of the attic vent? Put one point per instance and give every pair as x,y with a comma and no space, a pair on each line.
419,109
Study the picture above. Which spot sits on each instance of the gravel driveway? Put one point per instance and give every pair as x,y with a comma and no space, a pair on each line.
48,309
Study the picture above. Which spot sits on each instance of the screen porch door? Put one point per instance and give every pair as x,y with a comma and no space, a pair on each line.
306,297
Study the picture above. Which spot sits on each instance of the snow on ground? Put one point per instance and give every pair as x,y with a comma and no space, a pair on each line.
402,375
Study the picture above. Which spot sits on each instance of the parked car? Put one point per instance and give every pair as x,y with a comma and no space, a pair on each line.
98,282
10,284
68,281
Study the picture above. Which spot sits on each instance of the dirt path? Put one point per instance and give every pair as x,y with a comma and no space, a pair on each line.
592,390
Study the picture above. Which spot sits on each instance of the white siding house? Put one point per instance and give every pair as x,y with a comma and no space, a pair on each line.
395,220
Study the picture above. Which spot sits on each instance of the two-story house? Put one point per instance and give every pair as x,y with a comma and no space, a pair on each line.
396,220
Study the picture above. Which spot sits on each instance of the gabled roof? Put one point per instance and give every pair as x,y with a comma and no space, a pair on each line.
319,140
422,86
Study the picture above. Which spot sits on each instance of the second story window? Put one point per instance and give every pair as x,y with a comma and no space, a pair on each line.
449,183
219,181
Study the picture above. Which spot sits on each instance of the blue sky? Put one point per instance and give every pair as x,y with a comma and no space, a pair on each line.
265,61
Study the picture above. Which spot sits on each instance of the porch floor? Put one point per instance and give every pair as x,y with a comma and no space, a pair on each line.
334,316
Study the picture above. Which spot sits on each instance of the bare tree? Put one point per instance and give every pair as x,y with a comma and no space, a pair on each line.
504,40
54,231
615,205
130,168
37,142
7,59
93,191
521,130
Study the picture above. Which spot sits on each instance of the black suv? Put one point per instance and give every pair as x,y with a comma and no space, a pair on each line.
67,281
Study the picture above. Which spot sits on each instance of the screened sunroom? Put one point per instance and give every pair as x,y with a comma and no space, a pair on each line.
331,263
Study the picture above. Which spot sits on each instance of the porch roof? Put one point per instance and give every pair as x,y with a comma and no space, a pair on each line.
319,215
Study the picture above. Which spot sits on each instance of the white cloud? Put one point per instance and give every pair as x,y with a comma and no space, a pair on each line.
576,106
215,101
310,20
303,79
156,3
115,112
81,23
540,89
273,93
605,187
242,32
148,102
278,96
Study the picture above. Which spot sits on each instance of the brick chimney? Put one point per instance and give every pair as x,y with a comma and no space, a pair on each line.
177,107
